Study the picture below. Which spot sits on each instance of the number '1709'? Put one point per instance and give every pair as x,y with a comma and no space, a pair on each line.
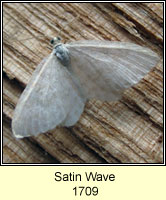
85,190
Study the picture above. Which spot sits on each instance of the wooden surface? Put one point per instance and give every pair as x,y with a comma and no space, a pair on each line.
126,131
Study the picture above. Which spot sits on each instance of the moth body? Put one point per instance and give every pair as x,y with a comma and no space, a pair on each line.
62,54
73,73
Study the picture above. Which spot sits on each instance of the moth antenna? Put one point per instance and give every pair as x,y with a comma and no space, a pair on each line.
63,28
54,41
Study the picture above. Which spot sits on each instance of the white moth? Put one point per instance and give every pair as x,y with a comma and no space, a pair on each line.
73,73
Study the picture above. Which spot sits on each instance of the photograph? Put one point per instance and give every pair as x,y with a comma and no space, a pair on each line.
82,83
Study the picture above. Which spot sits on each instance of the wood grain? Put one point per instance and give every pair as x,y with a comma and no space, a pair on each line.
127,131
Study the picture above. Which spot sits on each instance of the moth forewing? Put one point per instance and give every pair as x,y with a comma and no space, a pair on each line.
106,69
47,100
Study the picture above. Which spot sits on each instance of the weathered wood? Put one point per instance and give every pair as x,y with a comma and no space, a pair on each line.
22,151
127,131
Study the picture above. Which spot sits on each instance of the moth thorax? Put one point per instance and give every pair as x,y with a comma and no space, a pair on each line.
62,54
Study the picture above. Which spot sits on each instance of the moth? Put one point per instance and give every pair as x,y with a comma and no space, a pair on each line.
72,74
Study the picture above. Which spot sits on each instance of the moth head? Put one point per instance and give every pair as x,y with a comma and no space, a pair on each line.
54,41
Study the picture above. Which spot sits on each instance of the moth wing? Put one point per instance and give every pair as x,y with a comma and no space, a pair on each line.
50,99
105,69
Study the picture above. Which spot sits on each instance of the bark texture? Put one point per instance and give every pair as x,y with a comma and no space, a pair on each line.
126,131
